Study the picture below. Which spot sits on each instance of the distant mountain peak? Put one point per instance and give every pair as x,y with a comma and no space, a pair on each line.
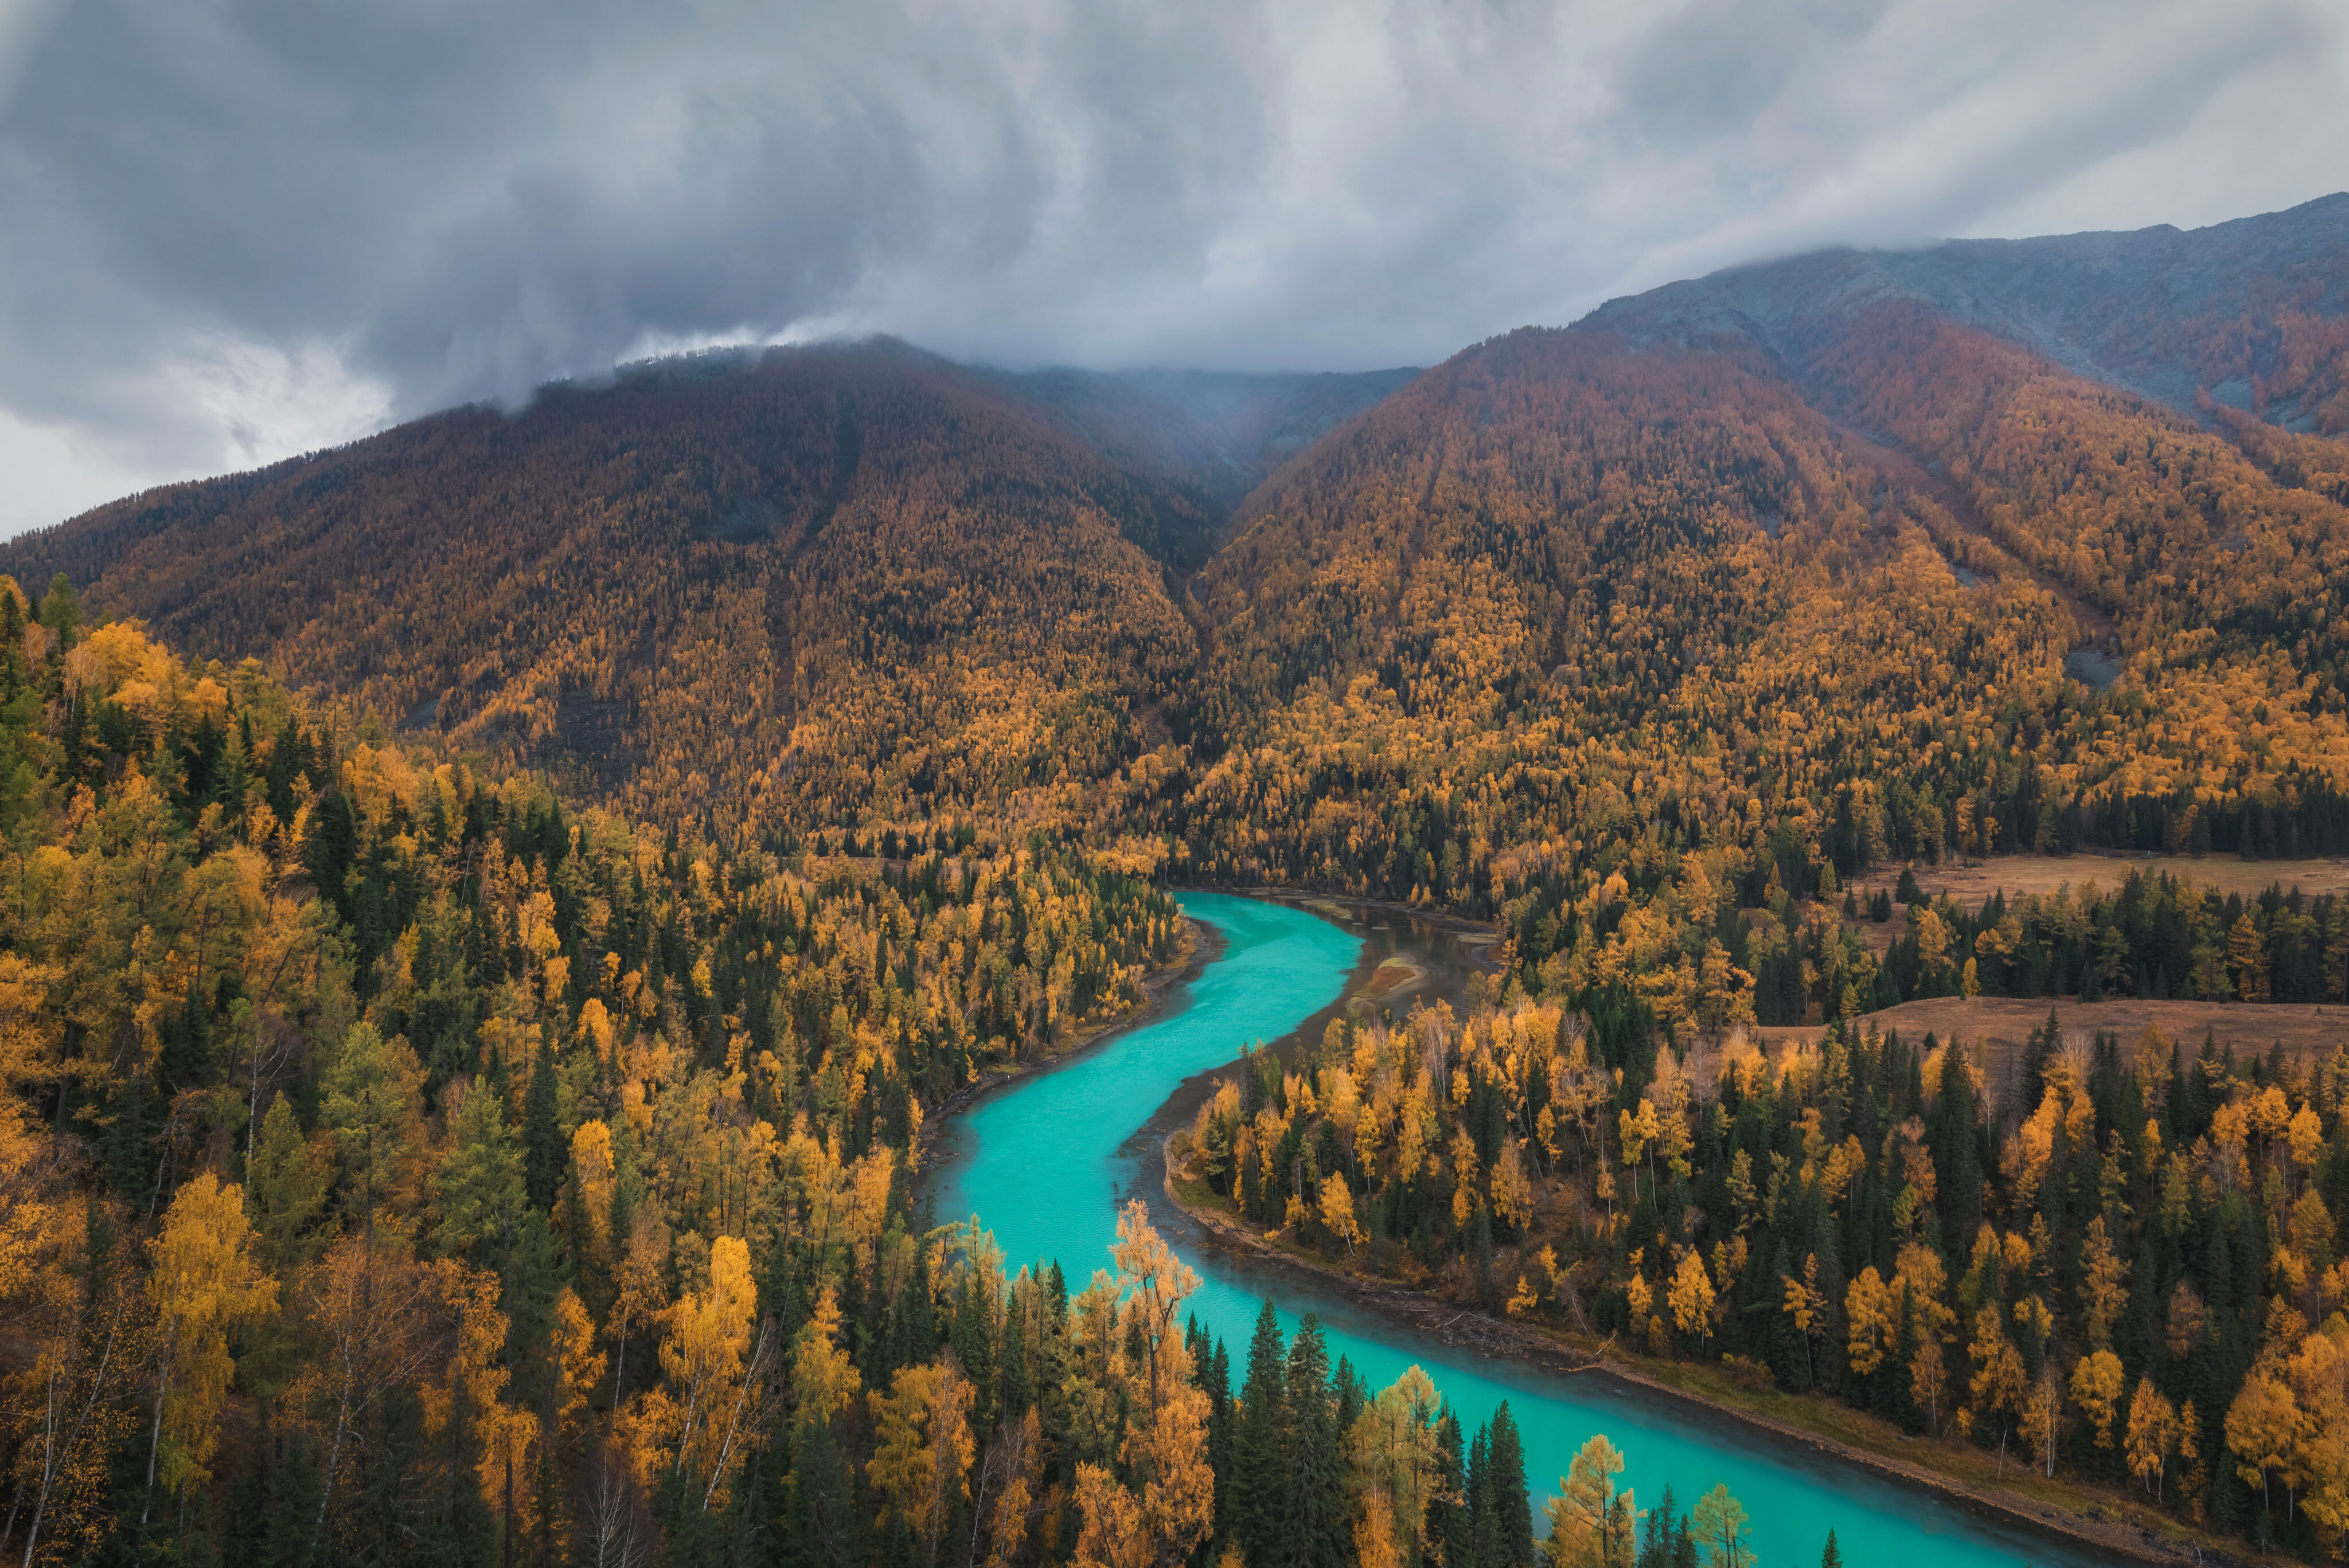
2162,312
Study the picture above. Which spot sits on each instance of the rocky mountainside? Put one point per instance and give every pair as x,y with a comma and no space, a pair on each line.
2250,312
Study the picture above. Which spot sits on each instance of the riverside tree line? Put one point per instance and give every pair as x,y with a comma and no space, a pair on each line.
2127,1263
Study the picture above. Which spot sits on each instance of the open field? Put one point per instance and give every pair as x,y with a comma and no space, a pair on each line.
1996,1026
1970,884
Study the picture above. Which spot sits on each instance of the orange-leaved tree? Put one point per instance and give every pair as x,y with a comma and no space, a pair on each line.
205,1283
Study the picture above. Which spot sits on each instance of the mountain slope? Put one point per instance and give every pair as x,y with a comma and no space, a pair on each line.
796,587
1214,436
756,587
2253,313
2028,378
1555,586
1773,576
1793,568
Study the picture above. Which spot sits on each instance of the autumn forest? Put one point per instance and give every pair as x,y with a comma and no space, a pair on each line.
493,917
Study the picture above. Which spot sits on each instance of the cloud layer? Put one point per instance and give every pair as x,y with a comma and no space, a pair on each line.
234,229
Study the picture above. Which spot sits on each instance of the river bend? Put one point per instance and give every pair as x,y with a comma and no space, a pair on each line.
1045,1162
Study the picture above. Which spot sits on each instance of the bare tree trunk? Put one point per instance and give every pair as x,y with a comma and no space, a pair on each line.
334,1448
56,1449
751,1374
550,1467
509,1525
614,1519
978,1502
155,1439
343,1399
48,1469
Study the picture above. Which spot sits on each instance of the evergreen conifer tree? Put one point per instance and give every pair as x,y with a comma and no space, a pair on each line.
1318,1532
543,1148
1484,1522
1449,1524
480,1184
1352,1394
60,609
290,1537
819,1530
1656,1539
1504,1479
1215,1379
1259,1481
1955,1135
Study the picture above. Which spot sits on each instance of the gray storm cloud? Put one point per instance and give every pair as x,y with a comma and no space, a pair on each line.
231,228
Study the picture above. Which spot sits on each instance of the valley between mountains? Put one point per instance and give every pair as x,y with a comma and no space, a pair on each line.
490,910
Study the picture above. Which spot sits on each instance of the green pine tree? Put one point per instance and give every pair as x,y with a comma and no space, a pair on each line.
480,1184
289,1536
1353,1395
370,1103
1656,1539
1318,1530
284,1188
1260,1475
1504,1481
1955,1135
60,610
1215,1379
1450,1526
1484,1520
544,1154
820,1528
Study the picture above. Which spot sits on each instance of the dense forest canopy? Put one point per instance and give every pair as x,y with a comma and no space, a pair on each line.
2139,1279
364,1115
490,912
755,591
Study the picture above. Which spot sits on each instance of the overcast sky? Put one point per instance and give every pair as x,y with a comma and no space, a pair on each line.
233,230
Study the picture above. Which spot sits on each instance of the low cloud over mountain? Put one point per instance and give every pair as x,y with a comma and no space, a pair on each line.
242,228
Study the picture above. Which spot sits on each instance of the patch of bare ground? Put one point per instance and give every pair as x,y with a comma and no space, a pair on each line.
1994,1028
1393,976
1971,883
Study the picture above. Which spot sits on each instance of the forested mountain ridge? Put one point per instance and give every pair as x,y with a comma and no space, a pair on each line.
700,587
1581,606
1792,572
2247,312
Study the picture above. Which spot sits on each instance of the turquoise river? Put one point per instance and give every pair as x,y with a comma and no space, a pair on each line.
1044,1160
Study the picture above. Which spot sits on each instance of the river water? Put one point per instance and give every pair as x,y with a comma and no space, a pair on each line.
1045,1162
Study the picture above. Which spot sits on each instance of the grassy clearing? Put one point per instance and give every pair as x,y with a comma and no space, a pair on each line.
1970,884
2000,1024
